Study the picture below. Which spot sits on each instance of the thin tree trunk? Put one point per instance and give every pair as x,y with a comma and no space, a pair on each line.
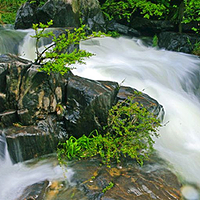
180,16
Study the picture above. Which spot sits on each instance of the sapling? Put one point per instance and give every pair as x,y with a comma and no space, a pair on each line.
56,58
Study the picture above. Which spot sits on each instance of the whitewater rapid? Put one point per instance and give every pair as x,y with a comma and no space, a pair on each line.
169,77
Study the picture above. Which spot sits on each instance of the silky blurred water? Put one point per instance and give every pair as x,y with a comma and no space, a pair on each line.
171,78
16,177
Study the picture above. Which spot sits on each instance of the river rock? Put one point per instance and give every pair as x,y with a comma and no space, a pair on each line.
35,191
151,27
112,25
88,103
177,42
130,181
63,14
81,104
149,103
39,95
27,142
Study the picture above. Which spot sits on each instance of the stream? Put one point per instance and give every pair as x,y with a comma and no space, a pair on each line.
171,78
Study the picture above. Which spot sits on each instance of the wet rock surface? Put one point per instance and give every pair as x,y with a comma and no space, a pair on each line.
29,96
27,142
149,103
130,181
35,191
88,103
151,27
177,42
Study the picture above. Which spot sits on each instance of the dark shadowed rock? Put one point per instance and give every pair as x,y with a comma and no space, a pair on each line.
8,117
149,103
63,14
3,103
35,191
88,103
90,13
58,11
177,42
151,27
27,142
122,29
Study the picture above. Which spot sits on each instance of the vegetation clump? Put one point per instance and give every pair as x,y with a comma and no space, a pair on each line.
196,50
129,132
181,11
57,58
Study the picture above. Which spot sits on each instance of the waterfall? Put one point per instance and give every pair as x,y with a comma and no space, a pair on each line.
15,178
10,40
4,155
171,78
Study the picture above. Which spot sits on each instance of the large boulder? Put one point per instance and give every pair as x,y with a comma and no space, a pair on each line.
87,104
29,97
151,27
63,14
130,181
28,142
59,11
177,42
112,25
149,103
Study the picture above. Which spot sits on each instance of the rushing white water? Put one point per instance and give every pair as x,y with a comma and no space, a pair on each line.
16,177
169,77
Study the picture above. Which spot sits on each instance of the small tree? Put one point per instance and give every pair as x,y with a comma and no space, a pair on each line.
56,57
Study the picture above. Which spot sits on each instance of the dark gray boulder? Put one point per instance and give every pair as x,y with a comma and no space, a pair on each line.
151,27
149,103
177,42
58,11
28,142
88,103
63,14
112,25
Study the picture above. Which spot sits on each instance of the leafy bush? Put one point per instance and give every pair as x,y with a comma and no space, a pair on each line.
124,9
130,131
184,11
155,41
56,58
196,49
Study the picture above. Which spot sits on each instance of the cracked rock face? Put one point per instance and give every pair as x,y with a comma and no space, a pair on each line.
28,96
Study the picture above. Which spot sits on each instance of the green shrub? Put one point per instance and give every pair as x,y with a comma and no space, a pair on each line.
196,49
129,132
56,58
155,41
